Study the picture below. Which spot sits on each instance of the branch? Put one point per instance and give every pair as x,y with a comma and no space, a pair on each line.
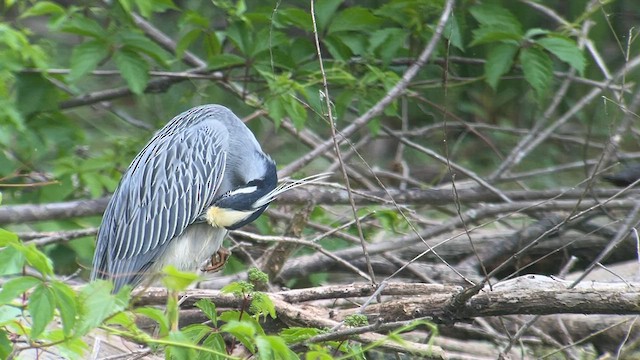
336,196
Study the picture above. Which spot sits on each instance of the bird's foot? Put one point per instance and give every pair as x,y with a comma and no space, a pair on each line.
217,261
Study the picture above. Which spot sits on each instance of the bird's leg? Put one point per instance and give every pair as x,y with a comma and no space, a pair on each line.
218,260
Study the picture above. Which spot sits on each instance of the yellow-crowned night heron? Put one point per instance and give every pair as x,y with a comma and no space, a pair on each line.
200,175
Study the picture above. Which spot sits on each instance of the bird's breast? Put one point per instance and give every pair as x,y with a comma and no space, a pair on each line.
188,251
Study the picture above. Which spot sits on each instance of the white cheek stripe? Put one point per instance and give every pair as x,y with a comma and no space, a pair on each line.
243,190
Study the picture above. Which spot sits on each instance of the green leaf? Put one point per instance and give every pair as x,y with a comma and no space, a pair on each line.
6,346
566,50
261,304
81,25
209,309
137,42
537,68
298,334
214,342
452,33
43,8
9,314
224,61
96,303
354,18
494,33
318,355
177,280
196,332
177,352
337,48
273,347
296,17
148,7
296,112
325,11
238,288
66,305
37,259
244,331
496,16
8,238
387,42
532,33
134,69
11,261
13,288
41,306
499,61
86,57
185,41
35,93
157,315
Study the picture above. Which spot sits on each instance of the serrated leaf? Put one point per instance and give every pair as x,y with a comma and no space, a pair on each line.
325,11
295,17
296,112
537,68
8,238
156,315
224,61
11,261
209,309
43,8
496,16
6,346
37,259
137,42
66,305
35,93
81,25
532,33
196,332
9,314
134,69
452,33
41,306
86,57
386,42
186,40
494,33
354,18
499,61
273,347
177,352
337,48
298,334
318,355
566,50
261,304
244,331
96,303
13,288
176,280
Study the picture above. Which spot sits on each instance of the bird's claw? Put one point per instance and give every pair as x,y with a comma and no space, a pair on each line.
217,261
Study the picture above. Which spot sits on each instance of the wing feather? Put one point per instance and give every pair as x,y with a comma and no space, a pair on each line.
165,189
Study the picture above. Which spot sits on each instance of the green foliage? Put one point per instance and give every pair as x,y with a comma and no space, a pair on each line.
503,31
356,320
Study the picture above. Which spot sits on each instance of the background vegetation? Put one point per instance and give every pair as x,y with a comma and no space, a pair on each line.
471,137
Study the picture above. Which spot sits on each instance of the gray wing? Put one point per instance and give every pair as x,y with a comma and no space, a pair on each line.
166,187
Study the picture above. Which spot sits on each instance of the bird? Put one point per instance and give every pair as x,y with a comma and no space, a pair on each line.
201,175
629,174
